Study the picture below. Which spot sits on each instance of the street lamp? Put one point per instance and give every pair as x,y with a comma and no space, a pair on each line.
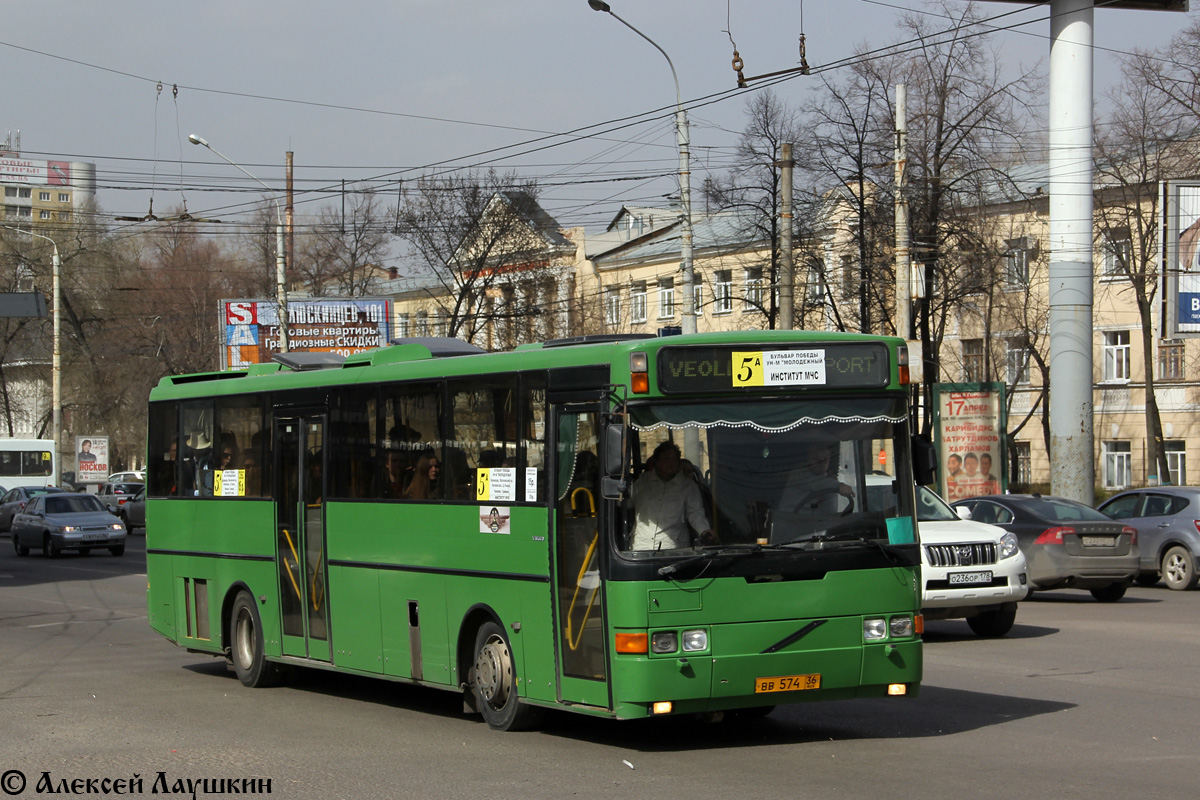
685,182
56,357
280,265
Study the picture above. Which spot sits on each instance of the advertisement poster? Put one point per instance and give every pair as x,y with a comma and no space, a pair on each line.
970,423
1182,273
91,459
327,325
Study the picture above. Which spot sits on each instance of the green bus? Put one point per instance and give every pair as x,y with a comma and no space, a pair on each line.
621,526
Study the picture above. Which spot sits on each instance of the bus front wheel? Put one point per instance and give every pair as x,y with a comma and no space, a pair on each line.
494,682
246,644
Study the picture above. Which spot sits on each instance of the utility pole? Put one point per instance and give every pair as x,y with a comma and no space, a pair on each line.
289,213
787,285
903,251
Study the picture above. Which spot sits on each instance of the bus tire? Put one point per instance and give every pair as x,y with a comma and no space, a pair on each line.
246,644
494,682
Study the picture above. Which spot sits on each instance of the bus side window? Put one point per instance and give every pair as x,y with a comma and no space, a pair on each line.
482,432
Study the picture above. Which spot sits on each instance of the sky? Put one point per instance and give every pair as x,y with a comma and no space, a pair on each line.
379,91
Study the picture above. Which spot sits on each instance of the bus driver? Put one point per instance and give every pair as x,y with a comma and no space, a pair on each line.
665,502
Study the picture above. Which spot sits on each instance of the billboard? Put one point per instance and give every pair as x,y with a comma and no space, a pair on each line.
91,459
970,423
325,325
34,172
1181,272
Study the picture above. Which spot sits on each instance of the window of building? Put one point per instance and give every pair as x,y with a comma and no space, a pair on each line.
44,197
850,277
816,283
43,214
1176,455
1117,253
1024,474
10,191
1170,360
754,289
422,323
1016,360
1116,356
403,326
666,298
1016,263
723,292
697,295
612,307
64,197
637,302
972,360
22,192
1118,465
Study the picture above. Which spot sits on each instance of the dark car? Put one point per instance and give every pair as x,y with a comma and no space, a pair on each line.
133,511
115,495
1167,519
13,502
1067,545
63,521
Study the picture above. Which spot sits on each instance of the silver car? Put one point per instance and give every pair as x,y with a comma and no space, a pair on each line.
62,521
1167,519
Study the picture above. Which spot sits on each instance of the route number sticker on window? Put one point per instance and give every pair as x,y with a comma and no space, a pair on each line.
779,368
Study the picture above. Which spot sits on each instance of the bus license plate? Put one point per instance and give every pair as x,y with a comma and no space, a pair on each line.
958,578
787,683
1097,541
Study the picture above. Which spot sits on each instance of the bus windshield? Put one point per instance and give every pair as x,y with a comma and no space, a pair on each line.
769,472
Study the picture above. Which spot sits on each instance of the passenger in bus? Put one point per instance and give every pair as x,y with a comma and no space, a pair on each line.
665,503
811,490
399,474
424,485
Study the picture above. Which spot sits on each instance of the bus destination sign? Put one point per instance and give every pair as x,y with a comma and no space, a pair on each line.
686,370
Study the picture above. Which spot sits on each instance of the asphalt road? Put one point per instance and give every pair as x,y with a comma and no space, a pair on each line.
1082,699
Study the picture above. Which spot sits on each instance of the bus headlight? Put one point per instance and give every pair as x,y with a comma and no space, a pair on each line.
694,641
664,642
1008,545
875,628
901,626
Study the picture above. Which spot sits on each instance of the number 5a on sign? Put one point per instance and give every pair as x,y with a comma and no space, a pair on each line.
747,369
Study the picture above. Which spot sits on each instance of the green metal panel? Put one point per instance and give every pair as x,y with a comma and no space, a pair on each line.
355,625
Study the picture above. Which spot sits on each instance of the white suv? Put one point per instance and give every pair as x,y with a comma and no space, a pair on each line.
968,569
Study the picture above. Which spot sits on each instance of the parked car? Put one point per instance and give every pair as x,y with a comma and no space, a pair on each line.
968,569
115,495
55,522
133,512
136,476
1067,545
13,502
1167,519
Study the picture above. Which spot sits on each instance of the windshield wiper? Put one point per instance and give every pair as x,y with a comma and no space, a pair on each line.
820,539
711,552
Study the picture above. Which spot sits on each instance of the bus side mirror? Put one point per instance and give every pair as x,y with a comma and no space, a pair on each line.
612,486
614,450
924,458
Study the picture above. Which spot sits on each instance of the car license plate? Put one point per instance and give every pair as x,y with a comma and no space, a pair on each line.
95,537
1097,541
787,683
959,578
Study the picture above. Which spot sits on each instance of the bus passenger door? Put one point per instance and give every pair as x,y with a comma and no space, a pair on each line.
300,535
578,551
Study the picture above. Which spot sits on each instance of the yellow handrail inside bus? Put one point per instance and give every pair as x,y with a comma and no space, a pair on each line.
295,558
574,640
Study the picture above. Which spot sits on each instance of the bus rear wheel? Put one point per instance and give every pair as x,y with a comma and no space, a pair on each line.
494,682
246,644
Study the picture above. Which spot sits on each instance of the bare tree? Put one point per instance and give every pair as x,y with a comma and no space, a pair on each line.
1146,140
487,245
343,252
752,187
